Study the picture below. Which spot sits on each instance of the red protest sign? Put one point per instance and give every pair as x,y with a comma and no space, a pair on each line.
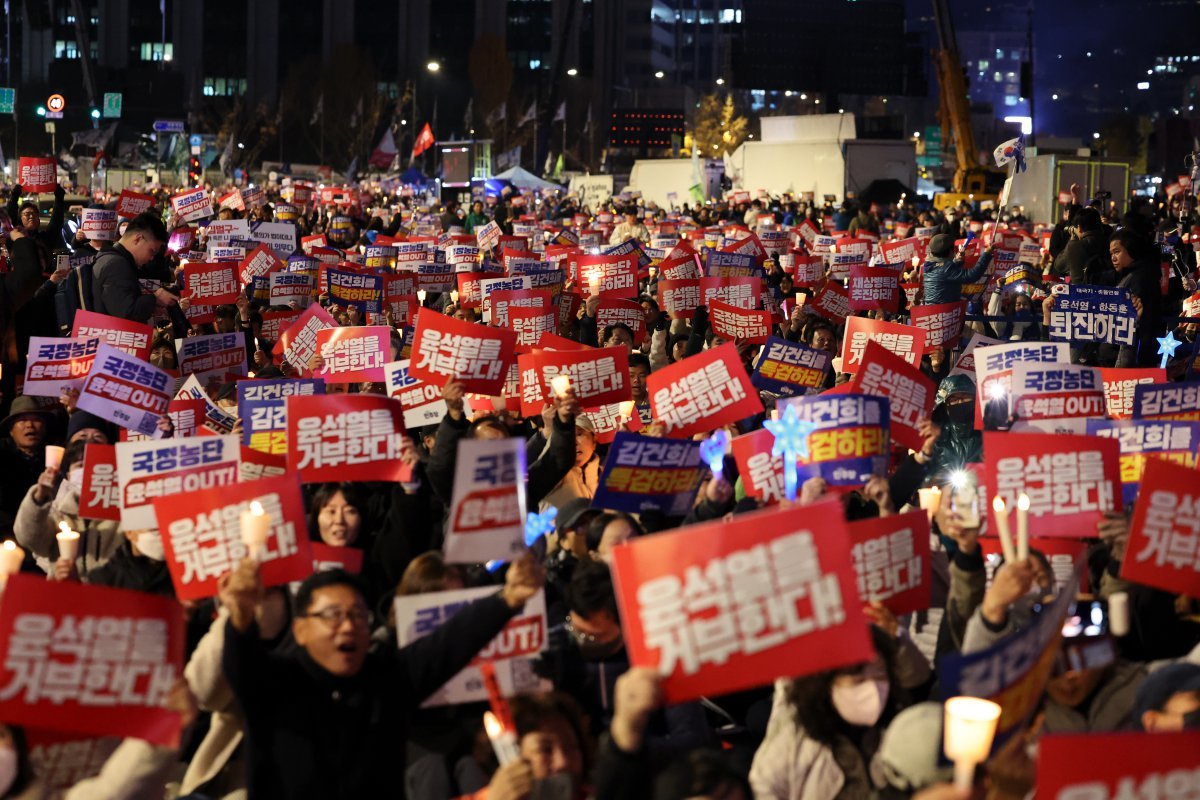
732,323
761,473
807,270
446,349
212,284
725,606
326,558
903,340
132,203
740,291
1063,555
599,377
354,354
1120,386
260,261
609,276
100,497
298,343
702,392
530,325
37,174
202,534
910,394
625,312
255,465
132,337
874,288
89,659
1070,480
942,323
357,437
1162,536
679,298
470,289
501,301
902,252
891,561
831,302
683,267
1117,765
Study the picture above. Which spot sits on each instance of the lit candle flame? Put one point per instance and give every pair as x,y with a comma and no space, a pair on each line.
256,508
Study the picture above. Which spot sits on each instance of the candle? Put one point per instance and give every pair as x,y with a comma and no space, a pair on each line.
255,524
421,294
1006,543
68,542
504,741
54,456
11,558
916,261
653,272
454,296
967,732
627,410
560,385
930,500
1118,613
1022,527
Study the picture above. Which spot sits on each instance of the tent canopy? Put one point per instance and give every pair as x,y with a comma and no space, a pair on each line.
523,179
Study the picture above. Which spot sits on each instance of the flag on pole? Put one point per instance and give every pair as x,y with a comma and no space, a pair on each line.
384,152
1012,150
468,115
318,111
425,140
549,165
558,167
561,114
697,187
226,156
530,115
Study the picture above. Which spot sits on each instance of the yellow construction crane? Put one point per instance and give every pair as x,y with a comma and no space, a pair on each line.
972,180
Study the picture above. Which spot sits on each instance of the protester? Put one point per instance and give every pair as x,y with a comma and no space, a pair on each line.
115,283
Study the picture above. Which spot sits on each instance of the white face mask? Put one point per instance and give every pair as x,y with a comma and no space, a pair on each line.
8,769
861,703
75,478
151,546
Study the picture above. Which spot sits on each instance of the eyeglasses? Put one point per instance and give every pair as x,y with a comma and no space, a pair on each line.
334,617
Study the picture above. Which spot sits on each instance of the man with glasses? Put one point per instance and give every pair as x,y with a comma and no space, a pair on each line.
115,287
328,720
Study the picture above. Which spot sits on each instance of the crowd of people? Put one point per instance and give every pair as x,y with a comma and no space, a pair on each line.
302,690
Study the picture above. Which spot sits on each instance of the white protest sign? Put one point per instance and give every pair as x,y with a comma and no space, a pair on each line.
487,511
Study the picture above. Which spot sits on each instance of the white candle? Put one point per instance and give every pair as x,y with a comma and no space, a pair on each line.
593,285
421,296
1118,613
1006,543
504,741
967,732
627,410
560,385
255,524
68,542
453,296
54,456
1022,527
930,500
11,558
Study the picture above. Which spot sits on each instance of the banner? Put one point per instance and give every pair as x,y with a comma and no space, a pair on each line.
511,653
262,408
1070,480
831,302
872,288
1162,534
282,237
212,284
202,535
1093,314
192,204
702,392
598,377
446,349
126,390
910,394
721,606
356,437
99,497
643,473
1119,386
37,175
891,558
88,659
609,275
354,354
214,355
487,510
1117,765
1178,401
149,470
55,364
131,337
905,341
298,343
786,368
736,324
942,323
1177,442
99,224
850,441
131,203
718,264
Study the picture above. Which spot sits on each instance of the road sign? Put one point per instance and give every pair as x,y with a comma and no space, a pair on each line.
195,140
56,103
8,101
168,126
51,128
54,115
112,105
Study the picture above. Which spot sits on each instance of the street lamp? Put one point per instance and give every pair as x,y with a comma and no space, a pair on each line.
803,96
572,72
433,66
658,74
95,113
720,81
41,111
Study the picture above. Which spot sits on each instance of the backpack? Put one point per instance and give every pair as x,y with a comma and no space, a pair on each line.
74,293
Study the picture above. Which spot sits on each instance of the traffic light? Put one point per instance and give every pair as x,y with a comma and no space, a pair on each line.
194,171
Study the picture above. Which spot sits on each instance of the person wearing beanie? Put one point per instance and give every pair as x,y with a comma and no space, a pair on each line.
1169,699
87,427
944,274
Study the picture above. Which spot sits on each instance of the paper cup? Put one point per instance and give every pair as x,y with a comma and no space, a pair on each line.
68,546
54,456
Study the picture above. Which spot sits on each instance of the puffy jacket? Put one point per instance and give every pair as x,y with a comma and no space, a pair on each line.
944,278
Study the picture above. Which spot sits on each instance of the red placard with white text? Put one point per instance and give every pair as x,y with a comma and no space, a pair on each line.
1071,480
626,312
740,291
736,324
132,337
891,561
598,377
202,534
1120,386
910,394
1162,536
100,497
260,261
942,323
355,437
82,658
872,288
354,354
831,302
612,276
446,349
37,174
725,606
761,472
702,392
530,325
298,343
326,558
132,203
903,340
502,301
212,284
1118,765
679,298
